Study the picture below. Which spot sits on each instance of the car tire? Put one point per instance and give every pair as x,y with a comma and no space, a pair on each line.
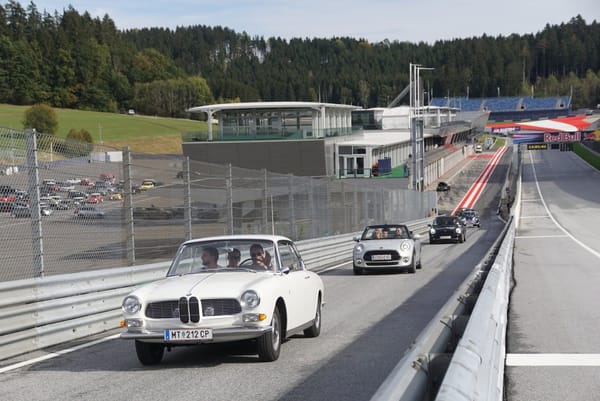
357,271
413,267
315,329
149,353
269,344
419,265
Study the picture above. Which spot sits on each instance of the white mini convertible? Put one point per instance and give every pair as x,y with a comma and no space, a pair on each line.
227,288
387,247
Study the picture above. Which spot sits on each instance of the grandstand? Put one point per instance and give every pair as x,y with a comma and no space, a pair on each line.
515,108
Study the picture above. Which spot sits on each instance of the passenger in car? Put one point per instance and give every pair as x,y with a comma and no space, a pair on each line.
377,234
210,255
233,257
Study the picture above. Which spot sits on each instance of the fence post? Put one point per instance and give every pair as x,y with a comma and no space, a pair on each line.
128,208
229,199
292,207
187,199
34,199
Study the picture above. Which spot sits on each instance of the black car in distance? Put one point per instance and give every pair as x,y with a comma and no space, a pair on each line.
442,187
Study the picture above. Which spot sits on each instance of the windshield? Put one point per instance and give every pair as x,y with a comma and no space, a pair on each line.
386,232
224,255
444,221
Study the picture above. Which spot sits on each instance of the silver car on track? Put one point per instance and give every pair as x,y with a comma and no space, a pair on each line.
387,247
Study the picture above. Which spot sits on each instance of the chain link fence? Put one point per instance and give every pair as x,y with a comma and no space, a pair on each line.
67,206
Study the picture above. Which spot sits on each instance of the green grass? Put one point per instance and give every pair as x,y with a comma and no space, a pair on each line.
586,155
141,133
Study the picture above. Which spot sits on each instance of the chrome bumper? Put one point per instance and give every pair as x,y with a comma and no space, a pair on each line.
219,335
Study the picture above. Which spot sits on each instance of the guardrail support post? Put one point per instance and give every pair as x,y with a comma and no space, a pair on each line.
128,208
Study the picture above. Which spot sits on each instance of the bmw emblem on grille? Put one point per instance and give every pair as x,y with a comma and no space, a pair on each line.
209,311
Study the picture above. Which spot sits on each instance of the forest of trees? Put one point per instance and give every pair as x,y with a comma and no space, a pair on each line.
72,60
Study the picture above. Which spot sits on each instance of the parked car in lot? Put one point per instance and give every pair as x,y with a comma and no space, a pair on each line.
267,295
89,212
147,184
386,247
21,210
447,228
469,217
95,197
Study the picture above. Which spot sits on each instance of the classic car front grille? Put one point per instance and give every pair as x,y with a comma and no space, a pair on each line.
189,310
220,307
163,310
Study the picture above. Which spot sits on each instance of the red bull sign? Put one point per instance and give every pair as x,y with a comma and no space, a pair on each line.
562,137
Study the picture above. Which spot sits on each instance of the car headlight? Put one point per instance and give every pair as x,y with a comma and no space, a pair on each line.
458,230
358,249
432,231
131,304
250,299
405,246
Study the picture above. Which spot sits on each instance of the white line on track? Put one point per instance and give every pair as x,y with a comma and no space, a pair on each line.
535,217
537,184
552,360
540,236
57,353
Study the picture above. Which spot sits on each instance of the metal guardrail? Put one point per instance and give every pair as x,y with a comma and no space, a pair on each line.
419,373
41,312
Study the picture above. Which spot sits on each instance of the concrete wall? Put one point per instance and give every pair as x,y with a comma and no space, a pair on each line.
302,158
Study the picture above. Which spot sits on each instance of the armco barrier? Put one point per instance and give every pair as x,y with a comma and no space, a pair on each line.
41,312
476,371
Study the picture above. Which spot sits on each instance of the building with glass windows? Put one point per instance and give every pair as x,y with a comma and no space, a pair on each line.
315,139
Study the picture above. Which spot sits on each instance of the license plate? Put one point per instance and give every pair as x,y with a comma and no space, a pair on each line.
192,335
381,257
445,236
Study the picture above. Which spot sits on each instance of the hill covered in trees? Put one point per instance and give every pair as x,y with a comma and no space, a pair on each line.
72,60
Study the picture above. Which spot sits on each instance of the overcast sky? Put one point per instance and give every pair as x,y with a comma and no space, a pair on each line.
374,20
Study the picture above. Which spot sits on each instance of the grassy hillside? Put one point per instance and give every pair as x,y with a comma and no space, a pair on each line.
141,133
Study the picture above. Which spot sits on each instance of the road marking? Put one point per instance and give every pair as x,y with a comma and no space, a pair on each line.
57,353
540,236
537,184
530,200
552,360
536,217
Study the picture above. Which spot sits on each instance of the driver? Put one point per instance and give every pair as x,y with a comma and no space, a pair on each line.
260,257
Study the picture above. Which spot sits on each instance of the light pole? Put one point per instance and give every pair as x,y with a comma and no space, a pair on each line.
416,126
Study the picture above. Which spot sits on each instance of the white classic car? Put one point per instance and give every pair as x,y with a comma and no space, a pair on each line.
387,246
227,288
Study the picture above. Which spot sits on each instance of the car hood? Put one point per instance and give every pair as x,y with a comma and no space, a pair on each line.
204,285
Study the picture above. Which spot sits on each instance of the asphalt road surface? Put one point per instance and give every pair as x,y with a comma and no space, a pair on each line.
554,317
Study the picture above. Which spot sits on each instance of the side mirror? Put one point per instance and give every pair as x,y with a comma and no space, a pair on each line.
356,238
417,236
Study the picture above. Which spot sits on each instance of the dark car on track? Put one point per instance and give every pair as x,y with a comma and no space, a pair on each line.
469,217
442,187
447,228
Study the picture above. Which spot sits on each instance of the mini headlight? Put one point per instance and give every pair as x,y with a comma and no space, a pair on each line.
405,246
250,299
358,249
131,304
458,230
432,231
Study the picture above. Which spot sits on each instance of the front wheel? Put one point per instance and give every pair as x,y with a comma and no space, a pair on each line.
269,344
412,268
315,329
357,271
149,353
